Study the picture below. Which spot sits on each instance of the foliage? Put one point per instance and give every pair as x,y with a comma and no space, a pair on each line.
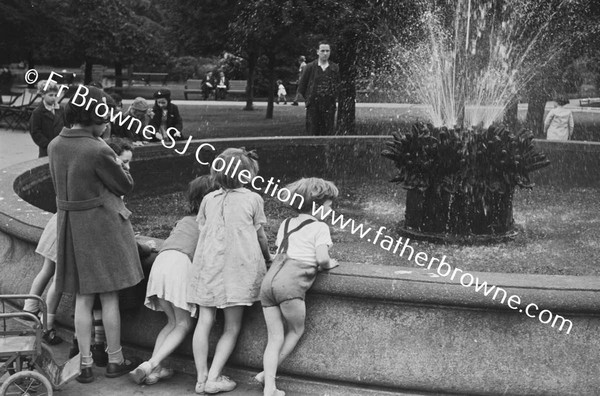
470,162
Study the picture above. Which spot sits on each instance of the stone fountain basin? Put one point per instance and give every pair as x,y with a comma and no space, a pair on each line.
369,325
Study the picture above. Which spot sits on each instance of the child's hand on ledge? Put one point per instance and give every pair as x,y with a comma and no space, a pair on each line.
332,264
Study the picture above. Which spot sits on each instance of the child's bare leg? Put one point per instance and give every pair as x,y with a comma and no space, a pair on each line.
39,284
294,313
206,319
164,332
53,298
111,318
275,333
83,324
233,325
181,322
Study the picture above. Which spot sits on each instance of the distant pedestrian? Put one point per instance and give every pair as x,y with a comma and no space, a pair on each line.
208,85
559,122
47,120
302,61
281,92
320,87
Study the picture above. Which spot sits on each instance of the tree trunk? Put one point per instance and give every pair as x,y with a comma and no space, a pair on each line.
87,76
346,118
252,59
511,115
118,74
270,93
536,100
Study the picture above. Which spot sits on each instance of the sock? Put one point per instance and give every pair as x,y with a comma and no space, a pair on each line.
87,361
116,356
51,321
31,305
99,333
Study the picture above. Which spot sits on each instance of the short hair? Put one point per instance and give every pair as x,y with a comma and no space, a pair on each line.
323,42
312,190
52,87
302,58
197,190
85,115
562,100
238,156
118,146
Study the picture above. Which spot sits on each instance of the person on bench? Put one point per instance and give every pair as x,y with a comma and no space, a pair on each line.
208,85
166,115
222,86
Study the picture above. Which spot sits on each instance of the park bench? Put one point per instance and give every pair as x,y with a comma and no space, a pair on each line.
590,102
147,77
237,86
192,87
195,87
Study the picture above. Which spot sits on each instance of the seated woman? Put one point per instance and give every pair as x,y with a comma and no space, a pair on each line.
166,115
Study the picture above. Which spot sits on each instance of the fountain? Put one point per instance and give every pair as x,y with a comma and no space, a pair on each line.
461,170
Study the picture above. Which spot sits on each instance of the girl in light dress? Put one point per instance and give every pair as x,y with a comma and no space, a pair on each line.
167,286
228,266
303,249
559,123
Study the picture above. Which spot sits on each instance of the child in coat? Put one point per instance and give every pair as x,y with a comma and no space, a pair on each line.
228,266
303,249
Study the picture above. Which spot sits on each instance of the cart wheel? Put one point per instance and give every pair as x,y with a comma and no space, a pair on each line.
26,383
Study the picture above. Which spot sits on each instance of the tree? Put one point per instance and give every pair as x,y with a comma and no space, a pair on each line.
266,27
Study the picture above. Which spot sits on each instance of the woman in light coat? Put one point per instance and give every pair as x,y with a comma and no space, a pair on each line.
559,121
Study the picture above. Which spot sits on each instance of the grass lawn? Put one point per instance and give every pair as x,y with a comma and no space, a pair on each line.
203,121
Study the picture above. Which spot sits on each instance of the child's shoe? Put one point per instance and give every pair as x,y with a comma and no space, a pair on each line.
141,372
260,378
199,389
221,384
159,373
50,337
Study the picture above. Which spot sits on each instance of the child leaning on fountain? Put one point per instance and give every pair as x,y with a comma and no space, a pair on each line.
167,285
228,266
303,248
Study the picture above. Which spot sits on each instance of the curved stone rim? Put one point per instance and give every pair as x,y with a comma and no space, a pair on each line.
558,292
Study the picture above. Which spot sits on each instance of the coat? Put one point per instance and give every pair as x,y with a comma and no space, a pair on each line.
45,126
307,86
559,124
96,247
173,118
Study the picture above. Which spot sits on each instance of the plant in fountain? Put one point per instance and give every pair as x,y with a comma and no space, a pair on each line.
462,183
461,170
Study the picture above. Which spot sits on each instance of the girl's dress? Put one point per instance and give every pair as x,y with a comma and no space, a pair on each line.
559,124
295,269
47,245
169,275
228,265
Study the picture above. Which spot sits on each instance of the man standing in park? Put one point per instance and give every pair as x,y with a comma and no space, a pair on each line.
319,86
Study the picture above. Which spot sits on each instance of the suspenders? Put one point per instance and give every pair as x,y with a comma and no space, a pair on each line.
286,234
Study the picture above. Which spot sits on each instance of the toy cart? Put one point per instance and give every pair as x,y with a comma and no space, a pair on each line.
30,365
